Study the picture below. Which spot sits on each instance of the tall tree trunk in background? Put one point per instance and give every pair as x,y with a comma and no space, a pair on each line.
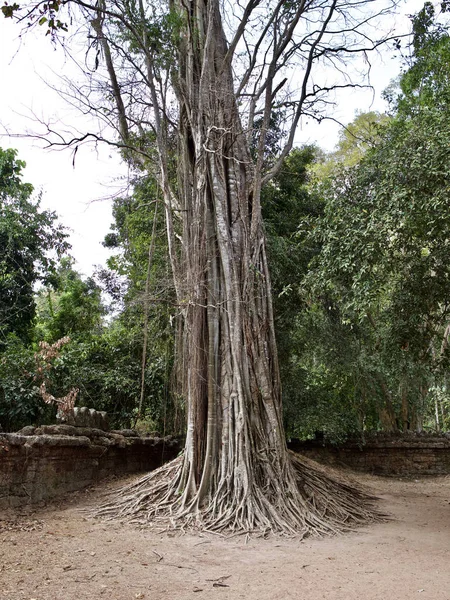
436,413
423,392
405,403
386,412
146,307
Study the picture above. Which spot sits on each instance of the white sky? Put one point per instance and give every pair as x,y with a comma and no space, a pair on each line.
76,193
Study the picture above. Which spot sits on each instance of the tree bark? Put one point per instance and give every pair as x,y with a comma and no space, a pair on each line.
235,445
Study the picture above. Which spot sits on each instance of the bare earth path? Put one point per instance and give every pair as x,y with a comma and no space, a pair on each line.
58,553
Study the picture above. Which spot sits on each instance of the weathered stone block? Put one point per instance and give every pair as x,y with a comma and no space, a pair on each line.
84,417
50,463
410,455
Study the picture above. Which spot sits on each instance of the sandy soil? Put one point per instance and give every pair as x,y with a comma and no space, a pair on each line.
59,553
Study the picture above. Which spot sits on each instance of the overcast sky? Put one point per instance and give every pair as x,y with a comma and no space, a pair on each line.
77,192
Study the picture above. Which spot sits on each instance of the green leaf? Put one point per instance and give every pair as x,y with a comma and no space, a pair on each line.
8,11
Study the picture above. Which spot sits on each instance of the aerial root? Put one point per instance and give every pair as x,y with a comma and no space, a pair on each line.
308,501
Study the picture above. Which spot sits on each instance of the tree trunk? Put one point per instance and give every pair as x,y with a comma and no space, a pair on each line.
423,393
146,307
436,413
235,446
386,412
405,404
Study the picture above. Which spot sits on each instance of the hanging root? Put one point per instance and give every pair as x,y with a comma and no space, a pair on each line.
307,501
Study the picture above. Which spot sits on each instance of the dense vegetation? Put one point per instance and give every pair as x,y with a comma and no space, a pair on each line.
358,243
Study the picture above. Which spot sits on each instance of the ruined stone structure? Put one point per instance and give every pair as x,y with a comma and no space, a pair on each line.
384,454
37,464
81,416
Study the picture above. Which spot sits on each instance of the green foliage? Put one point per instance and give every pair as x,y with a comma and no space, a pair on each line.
160,25
20,402
385,231
30,242
425,83
320,353
104,356
106,369
382,278
139,226
71,306
355,139
288,211
9,10
43,13
364,343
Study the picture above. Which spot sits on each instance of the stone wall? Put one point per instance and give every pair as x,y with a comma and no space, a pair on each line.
409,455
37,464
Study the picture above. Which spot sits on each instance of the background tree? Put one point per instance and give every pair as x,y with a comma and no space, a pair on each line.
288,208
355,139
103,357
382,269
140,258
30,243
71,306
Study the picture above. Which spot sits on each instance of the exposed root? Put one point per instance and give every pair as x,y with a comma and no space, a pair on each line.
309,501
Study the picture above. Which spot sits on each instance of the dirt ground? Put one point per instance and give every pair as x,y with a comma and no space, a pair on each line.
60,553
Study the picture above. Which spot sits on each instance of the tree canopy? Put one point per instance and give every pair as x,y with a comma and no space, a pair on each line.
382,271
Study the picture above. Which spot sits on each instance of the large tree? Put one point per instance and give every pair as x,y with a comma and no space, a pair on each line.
192,89
31,240
383,266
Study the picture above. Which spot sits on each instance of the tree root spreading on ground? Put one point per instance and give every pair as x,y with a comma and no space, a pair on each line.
322,504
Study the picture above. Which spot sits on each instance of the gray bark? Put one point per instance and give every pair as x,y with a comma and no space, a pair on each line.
233,389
